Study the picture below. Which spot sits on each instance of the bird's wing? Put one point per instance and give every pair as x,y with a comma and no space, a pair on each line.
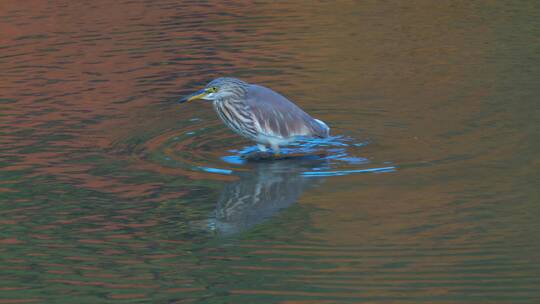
276,116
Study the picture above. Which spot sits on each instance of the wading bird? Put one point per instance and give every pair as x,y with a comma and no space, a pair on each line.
258,113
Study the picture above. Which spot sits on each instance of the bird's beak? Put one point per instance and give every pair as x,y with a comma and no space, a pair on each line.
197,95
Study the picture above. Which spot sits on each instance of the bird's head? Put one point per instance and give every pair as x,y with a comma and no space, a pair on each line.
219,89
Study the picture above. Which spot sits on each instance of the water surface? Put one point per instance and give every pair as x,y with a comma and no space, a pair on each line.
112,192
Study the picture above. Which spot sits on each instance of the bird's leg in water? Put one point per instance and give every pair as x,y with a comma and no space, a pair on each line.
275,148
261,154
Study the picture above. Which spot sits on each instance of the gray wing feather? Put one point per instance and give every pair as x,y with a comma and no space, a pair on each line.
278,116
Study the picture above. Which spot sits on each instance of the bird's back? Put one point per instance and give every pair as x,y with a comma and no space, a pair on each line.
277,116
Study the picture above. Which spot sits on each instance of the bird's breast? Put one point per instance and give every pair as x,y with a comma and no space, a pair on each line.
236,116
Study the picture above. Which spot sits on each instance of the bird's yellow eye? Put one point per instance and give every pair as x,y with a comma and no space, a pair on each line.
212,90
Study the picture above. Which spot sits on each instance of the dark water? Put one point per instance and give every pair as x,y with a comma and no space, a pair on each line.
428,193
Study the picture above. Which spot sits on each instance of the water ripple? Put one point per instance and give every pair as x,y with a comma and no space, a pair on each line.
199,146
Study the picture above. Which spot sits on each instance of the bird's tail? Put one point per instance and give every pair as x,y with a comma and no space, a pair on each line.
324,129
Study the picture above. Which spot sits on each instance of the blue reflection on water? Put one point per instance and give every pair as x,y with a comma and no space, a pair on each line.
334,151
346,172
216,170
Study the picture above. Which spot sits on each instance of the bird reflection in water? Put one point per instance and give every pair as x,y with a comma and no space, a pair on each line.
261,193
